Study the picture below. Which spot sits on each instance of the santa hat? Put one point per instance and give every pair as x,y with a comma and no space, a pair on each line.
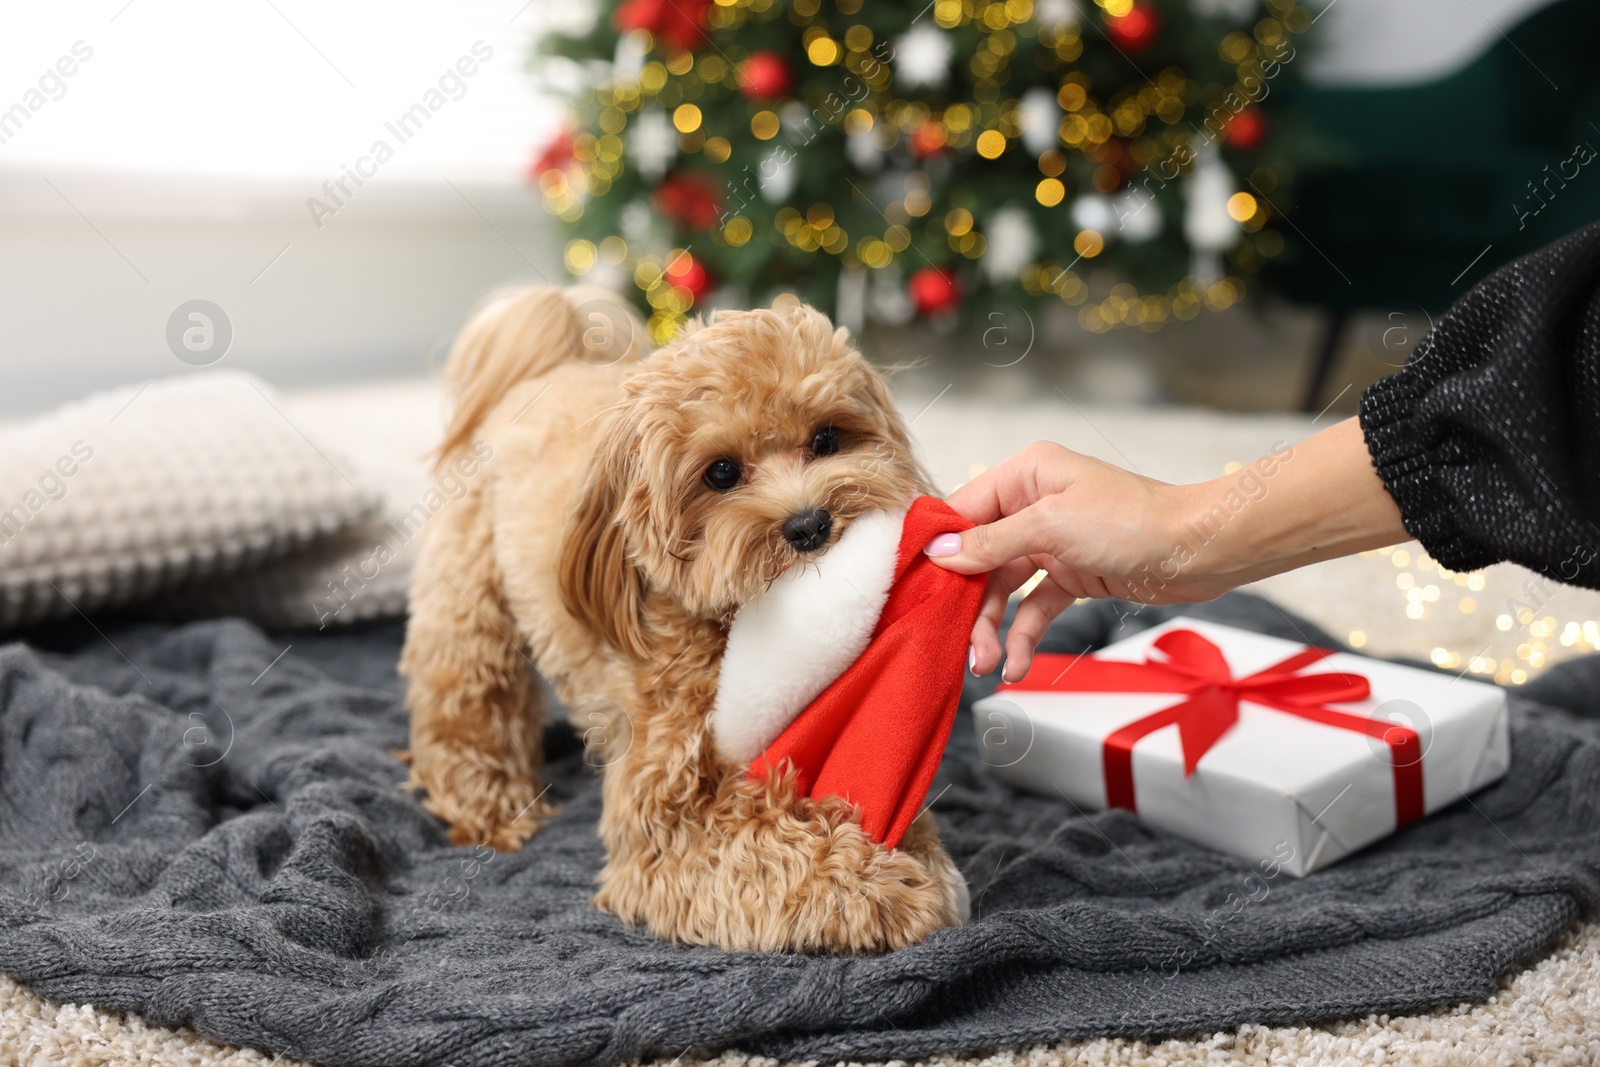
850,668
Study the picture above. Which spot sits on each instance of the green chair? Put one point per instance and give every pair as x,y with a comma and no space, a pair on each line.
1439,180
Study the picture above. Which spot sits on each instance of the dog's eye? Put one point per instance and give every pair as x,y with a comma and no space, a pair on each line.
723,475
826,442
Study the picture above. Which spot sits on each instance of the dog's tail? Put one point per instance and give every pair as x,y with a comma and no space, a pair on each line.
523,333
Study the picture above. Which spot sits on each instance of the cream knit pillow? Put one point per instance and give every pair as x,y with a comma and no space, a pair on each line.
116,497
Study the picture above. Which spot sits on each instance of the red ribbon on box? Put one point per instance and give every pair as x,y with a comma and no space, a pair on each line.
1196,668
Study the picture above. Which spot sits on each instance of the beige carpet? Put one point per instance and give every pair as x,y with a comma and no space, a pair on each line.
1395,602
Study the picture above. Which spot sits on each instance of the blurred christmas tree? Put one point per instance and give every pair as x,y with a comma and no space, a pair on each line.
886,160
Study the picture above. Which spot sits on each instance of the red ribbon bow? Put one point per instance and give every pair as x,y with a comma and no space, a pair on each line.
1195,667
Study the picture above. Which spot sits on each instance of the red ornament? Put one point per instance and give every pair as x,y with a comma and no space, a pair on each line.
927,139
933,291
690,200
686,272
1246,130
678,24
1135,31
557,155
765,76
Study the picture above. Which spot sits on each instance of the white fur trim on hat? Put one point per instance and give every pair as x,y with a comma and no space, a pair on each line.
786,648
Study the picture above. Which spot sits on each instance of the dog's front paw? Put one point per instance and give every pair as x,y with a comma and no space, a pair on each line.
484,804
899,902
958,898
792,888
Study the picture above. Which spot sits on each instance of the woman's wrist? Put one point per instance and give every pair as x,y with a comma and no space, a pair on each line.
1298,505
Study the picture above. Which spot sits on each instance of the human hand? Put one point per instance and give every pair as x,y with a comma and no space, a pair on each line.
1099,531
1095,529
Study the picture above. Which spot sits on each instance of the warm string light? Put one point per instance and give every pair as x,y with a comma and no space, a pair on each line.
1430,588
1126,306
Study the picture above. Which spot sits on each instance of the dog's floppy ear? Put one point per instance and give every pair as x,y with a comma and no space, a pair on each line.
599,583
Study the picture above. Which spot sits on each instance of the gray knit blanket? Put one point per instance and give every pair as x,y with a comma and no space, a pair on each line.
205,826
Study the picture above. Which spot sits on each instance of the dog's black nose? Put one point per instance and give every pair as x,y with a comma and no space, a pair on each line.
808,531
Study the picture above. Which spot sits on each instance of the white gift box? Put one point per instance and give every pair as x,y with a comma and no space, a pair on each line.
1301,782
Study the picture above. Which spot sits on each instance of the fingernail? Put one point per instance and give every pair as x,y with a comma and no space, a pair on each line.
972,660
944,545
1006,672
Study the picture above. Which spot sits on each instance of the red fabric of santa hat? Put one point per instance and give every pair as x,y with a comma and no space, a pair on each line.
850,669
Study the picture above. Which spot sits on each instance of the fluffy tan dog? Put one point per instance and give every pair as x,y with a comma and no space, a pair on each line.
630,507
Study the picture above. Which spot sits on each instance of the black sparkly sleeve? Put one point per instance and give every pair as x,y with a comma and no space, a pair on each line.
1489,438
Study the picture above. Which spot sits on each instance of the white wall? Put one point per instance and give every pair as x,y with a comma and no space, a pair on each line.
378,291
176,162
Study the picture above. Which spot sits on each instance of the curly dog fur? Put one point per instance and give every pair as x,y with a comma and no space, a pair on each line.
594,549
